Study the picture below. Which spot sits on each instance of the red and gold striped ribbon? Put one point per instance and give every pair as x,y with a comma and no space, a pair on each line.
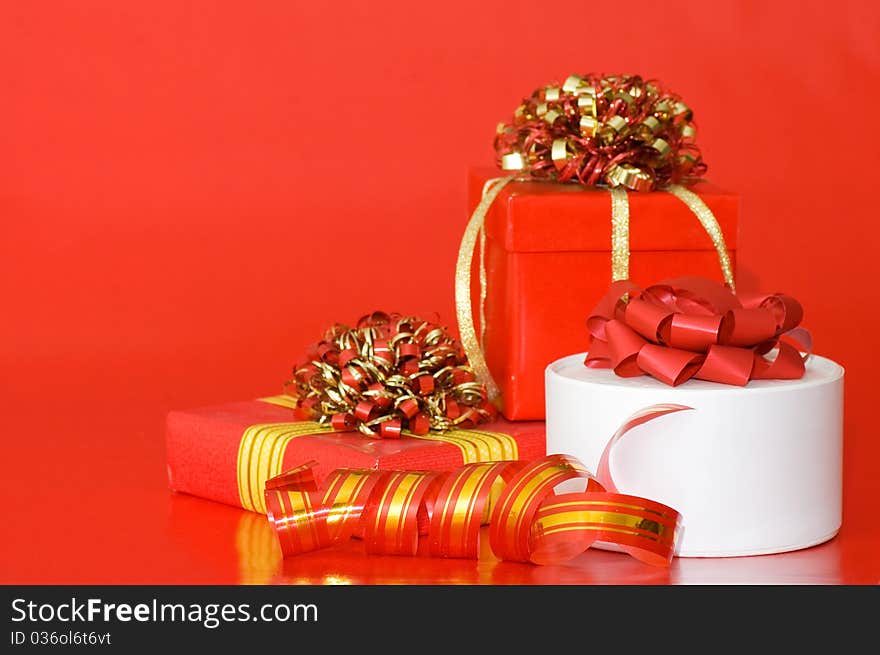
391,510
529,521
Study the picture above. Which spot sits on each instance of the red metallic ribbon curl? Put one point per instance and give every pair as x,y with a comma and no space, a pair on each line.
614,130
389,375
696,328
529,522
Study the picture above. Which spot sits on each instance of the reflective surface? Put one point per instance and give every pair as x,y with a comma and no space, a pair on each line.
85,502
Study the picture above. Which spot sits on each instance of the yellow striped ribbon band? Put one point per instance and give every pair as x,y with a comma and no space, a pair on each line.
261,457
477,445
262,447
281,401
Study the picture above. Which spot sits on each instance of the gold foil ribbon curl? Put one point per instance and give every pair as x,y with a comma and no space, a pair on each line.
617,130
390,370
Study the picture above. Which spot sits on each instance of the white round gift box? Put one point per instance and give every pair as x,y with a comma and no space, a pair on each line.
753,470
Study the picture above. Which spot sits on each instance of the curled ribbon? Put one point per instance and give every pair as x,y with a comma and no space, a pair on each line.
389,375
529,521
616,130
693,327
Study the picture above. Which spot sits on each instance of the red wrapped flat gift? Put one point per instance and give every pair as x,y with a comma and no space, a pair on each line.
548,260
227,452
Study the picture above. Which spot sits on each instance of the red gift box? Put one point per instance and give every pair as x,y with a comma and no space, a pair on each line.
227,452
548,260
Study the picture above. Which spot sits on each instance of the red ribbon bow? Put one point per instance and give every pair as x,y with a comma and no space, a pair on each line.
693,327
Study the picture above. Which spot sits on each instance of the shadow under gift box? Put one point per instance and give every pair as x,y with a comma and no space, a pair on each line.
548,262
205,445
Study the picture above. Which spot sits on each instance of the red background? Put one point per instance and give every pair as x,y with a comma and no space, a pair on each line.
191,192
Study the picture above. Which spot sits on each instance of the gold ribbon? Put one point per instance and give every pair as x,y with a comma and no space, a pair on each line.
467,331
473,344
619,234
262,447
710,224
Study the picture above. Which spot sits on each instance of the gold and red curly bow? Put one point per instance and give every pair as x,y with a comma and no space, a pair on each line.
528,521
694,327
388,376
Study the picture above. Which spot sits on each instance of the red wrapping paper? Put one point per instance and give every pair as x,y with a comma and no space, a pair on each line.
203,443
548,262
